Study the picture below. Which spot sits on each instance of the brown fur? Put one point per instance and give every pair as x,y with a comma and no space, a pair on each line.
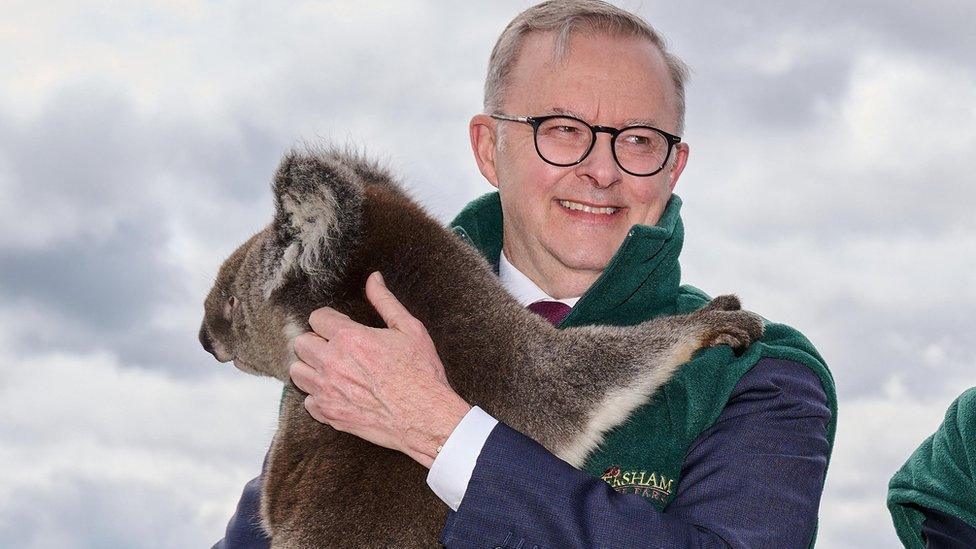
324,488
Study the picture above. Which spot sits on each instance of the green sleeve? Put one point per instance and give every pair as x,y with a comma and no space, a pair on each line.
940,475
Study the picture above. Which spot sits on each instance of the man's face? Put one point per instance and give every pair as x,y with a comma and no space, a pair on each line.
604,81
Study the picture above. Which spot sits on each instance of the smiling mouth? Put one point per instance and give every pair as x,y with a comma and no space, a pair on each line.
579,207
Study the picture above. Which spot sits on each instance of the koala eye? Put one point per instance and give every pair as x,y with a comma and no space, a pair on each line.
229,307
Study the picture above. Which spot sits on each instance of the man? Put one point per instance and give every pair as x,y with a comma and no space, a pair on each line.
583,106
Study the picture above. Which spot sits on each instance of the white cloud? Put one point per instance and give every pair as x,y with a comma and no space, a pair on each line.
889,156
905,112
139,442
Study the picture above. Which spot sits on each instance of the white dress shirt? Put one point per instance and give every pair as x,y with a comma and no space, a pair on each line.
452,468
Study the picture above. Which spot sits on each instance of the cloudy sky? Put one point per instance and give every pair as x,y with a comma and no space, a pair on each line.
830,185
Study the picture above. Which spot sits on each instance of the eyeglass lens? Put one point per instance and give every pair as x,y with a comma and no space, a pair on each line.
566,141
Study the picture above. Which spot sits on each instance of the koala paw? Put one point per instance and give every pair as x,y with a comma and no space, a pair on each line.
723,322
723,303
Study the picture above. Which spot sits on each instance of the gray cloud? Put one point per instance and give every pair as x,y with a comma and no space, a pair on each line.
105,284
89,163
96,454
97,514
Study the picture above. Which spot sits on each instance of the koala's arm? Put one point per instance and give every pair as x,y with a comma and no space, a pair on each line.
595,377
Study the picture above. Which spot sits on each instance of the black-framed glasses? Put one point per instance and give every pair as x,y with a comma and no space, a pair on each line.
564,141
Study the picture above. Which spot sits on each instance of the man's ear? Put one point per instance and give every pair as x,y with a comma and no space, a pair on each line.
681,151
482,130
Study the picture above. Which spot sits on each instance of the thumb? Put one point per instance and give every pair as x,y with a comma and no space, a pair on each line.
393,313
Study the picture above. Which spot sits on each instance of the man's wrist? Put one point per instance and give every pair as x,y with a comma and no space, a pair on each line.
426,438
452,469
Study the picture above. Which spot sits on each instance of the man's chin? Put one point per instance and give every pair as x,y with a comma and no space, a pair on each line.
579,253
588,258
587,248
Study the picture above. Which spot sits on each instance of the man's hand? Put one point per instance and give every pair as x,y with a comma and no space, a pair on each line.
384,385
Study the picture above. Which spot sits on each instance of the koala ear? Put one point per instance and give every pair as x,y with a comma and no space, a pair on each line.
318,213
371,172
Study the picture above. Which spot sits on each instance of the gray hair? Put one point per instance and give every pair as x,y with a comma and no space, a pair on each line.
563,17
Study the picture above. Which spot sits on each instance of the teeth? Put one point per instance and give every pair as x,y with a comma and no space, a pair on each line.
585,208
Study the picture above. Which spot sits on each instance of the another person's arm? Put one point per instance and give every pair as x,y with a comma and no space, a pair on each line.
942,531
932,498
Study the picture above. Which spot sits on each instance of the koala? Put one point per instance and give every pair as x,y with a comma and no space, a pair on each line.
338,218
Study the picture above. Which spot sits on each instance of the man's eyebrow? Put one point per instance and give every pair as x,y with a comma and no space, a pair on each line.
628,122
641,122
567,112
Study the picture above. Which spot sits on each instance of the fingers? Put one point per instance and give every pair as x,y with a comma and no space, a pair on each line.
309,347
304,376
309,381
394,314
326,322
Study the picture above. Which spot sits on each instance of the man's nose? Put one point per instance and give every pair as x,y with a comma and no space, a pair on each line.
600,165
206,341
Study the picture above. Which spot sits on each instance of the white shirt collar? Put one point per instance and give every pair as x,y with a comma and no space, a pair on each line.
522,288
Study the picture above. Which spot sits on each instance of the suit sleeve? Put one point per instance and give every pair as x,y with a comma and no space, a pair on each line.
753,479
244,528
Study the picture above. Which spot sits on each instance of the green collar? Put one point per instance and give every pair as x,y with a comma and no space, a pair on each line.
641,280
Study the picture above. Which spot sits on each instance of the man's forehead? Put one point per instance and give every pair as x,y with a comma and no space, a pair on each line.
636,76
556,109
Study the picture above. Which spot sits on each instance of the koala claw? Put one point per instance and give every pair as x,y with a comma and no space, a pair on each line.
725,323
724,303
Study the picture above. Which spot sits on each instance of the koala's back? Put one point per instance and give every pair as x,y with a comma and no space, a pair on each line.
324,488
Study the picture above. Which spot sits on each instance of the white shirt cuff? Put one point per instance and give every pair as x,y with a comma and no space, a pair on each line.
451,471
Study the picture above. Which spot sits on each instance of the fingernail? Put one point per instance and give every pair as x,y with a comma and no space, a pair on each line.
379,276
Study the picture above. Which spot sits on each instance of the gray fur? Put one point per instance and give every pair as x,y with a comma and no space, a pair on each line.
338,218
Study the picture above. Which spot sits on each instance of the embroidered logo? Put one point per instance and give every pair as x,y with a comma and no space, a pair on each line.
649,485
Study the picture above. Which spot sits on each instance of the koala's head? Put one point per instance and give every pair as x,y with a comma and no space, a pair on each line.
264,290
239,324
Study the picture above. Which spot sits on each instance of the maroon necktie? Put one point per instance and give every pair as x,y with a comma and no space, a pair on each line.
553,311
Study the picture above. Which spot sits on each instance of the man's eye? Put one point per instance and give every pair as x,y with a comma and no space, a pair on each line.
567,129
638,140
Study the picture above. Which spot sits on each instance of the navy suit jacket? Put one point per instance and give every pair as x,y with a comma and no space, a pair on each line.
753,479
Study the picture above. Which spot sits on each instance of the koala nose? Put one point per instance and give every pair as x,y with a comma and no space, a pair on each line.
206,341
